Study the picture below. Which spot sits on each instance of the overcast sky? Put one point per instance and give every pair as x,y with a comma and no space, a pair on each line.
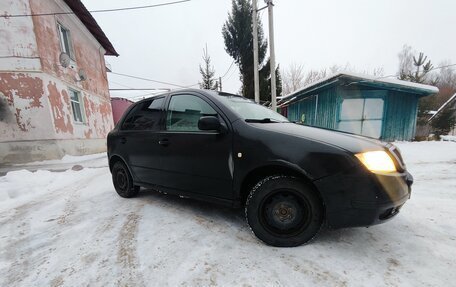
166,43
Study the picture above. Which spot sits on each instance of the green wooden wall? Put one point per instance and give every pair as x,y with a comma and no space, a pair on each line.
400,115
326,109
399,112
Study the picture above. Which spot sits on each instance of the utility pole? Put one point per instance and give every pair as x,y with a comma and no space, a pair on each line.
220,83
256,76
272,55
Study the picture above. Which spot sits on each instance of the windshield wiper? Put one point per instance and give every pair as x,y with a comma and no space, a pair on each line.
263,121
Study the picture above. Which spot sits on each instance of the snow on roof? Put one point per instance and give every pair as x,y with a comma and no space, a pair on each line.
368,78
453,97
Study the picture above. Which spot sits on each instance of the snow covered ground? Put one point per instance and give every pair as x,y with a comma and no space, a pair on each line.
71,229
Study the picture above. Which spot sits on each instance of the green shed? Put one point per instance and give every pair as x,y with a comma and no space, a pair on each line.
381,108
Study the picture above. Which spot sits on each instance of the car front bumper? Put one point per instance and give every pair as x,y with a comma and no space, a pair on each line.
361,198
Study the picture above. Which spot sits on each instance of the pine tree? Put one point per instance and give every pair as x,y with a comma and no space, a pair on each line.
207,72
419,76
417,69
237,33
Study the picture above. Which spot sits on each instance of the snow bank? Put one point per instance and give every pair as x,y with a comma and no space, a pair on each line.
427,151
69,159
26,185
448,138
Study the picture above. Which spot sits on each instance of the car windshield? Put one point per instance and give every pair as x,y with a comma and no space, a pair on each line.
251,111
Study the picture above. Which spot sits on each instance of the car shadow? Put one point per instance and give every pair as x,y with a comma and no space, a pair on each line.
210,211
218,217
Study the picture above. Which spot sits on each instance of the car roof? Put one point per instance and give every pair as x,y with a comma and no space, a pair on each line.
210,93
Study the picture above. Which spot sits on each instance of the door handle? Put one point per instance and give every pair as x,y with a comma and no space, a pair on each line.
163,142
123,140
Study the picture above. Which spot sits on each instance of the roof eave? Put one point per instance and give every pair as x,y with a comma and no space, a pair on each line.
91,24
420,92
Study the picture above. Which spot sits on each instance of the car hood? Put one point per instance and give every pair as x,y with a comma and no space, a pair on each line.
350,142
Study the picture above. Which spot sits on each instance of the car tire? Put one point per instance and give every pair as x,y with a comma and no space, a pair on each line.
284,211
122,180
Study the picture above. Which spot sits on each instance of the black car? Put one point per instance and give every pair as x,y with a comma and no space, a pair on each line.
226,149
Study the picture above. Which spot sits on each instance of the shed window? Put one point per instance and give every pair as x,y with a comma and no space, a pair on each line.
76,106
362,116
65,41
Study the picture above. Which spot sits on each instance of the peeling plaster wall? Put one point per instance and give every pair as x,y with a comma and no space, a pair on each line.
35,107
25,110
89,55
18,47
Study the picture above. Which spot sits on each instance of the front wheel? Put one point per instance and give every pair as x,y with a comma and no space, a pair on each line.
122,180
283,211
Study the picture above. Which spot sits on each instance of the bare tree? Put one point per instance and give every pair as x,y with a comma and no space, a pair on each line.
296,78
293,78
447,75
405,62
315,75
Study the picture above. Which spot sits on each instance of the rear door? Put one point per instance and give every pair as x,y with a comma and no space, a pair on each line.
139,135
193,160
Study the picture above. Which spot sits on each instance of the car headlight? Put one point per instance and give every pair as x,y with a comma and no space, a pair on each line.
377,161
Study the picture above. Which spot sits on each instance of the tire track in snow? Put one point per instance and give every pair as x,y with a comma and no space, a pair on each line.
18,249
127,258
19,256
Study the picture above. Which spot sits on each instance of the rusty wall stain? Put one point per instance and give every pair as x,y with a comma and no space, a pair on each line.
59,106
88,134
98,116
23,86
22,126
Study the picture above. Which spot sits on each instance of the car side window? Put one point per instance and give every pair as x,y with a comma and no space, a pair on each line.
184,112
145,116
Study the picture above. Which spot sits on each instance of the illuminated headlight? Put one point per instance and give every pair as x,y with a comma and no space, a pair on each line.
377,161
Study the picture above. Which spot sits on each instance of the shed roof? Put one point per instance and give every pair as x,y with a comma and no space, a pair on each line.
450,100
361,79
87,19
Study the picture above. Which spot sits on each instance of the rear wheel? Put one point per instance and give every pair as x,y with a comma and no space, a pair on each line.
122,180
283,211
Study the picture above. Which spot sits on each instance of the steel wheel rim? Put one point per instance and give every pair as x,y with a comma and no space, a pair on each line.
285,213
121,179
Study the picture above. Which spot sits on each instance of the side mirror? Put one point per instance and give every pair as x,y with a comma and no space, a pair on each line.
209,123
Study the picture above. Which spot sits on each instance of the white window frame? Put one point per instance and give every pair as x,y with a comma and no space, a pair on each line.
80,105
363,120
63,48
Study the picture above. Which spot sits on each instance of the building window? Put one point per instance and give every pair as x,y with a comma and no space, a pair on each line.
65,41
76,106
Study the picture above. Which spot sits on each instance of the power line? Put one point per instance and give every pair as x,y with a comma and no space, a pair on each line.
151,80
232,73
96,11
436,68
119,84
228,69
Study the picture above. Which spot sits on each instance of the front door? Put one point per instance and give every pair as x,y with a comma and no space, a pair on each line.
363,116
193,160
